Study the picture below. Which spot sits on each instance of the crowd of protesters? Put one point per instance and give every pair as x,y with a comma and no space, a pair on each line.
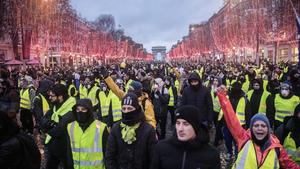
115,116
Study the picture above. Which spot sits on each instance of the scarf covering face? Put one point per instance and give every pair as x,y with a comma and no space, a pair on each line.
128,132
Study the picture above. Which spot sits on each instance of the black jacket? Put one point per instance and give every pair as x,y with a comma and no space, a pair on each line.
161,103
172,154
120,155
200,98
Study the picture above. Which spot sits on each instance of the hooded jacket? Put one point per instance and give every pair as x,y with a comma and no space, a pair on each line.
241,136
201,98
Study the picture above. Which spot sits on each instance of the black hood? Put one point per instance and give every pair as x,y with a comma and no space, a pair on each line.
195,76
44,86
86,103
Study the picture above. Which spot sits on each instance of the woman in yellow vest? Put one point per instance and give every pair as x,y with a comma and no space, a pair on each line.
87,136
257,147
289,135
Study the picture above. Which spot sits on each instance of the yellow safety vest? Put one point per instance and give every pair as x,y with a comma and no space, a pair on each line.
104,103
92,95
290,146
64,109
216,103
247,159
285,107
177,85
245,86
265,84
263,101
240,110
128,84
86,146
83,93
45,104
172,99
229,83
116,107
25,99
72,86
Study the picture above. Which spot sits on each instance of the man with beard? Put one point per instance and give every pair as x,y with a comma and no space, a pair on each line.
281,105
54,124
198,95
258,98
289,135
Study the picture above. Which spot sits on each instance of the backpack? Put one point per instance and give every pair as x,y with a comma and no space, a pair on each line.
31,154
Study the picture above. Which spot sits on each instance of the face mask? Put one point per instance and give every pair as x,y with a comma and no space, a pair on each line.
132,117
285,93
83,117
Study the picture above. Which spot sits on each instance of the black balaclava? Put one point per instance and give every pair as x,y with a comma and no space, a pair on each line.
84,119
236,90
133,117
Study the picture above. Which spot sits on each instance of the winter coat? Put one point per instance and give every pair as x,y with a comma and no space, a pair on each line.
200,98
138,155
9,99
172,154
144,100
241,136
160,101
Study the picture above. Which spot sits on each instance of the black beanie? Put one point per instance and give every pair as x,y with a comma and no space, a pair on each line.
132,100
192,115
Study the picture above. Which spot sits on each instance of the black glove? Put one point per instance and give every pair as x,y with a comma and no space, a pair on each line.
104,72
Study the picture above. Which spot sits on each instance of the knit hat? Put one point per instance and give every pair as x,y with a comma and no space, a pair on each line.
260,117
136,85
131,99
191,114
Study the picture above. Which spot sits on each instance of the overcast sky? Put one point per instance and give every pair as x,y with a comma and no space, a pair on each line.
151,22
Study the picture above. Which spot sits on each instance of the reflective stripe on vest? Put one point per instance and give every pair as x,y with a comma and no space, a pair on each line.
86,145
263,101
104,103
216,103
247,159
83,93
92,95
291,148
285,107
116,108
64,108
240,110
72,86
25,99
128,84
171,101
